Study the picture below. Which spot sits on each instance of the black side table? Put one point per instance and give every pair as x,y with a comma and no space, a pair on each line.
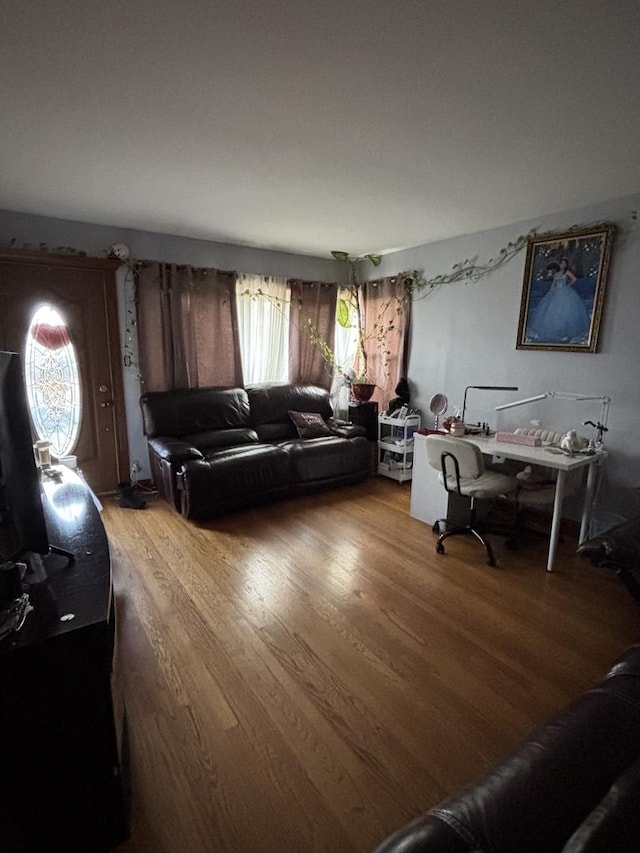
365,415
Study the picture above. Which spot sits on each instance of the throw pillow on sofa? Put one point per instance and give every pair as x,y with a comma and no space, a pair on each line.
309,424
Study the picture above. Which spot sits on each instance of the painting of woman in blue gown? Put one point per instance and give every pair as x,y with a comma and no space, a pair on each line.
564,288
562,316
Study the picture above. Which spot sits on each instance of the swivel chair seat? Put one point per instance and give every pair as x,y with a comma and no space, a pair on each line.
462,472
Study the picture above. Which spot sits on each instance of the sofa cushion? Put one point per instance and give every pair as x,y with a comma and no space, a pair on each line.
329,458
271,403
222,438
193,410
242,470
233,477
309,424
276,432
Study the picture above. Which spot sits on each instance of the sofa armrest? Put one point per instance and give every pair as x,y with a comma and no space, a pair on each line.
620,544
615,822
173,449
618,549
427,834
345,429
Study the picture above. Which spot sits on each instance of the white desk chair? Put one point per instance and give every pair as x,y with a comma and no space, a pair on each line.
462,472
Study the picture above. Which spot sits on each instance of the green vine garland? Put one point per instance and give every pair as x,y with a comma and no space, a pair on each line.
415,285
469,270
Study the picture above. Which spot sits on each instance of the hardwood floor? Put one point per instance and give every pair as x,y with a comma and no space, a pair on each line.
310,675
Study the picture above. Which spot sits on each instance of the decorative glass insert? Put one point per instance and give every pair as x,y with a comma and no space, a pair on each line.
53,381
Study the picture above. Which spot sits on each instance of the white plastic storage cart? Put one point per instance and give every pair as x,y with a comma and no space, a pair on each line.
395,446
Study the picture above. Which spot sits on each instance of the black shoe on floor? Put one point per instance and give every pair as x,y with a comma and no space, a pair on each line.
128,499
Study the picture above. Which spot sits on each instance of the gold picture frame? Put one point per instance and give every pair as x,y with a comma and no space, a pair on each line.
563,290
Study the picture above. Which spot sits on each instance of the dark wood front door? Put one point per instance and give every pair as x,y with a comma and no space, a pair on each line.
83,292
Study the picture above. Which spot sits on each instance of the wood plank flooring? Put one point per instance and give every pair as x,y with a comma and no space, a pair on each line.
310,675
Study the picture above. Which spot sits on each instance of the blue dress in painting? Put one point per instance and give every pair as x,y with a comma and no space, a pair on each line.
561,316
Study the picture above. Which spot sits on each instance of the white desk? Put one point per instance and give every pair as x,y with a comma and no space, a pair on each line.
429,498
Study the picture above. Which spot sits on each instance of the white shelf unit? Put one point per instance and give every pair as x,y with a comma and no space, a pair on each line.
395,446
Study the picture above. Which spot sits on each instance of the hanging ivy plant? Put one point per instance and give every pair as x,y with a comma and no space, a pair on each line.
469,270
414,285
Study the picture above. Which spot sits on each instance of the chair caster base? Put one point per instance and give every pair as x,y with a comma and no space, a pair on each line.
439,549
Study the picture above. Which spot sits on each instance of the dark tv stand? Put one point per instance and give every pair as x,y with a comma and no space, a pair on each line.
63,767
62,552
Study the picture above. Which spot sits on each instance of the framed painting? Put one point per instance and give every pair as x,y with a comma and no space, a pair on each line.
565,277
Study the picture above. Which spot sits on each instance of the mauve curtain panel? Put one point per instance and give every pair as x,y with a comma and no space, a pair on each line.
387,325
187,327
315,301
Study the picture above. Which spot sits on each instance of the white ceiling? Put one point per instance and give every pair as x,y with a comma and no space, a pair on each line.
307,125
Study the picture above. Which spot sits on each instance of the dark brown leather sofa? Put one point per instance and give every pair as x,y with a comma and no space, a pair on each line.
213,450
572,786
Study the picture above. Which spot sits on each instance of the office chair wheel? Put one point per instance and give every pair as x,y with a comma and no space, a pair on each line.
491,562
436,527
439,548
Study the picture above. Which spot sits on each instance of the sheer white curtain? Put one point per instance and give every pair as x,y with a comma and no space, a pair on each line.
263,321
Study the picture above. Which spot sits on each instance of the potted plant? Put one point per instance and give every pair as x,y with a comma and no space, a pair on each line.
349,315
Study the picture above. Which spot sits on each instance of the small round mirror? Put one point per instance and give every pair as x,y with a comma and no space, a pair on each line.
438,406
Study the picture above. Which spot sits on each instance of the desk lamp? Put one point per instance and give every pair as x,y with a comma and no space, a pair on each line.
601,426
485,388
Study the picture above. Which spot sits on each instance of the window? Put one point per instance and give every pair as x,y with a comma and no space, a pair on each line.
263,321
53,381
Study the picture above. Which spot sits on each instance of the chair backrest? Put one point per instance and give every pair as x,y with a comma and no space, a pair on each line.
467,455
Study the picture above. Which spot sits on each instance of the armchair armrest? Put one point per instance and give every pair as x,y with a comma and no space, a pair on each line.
618,549
174,449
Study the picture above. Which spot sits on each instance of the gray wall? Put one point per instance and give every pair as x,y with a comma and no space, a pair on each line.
463,334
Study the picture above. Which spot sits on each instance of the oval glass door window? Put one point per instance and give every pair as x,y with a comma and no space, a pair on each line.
53,381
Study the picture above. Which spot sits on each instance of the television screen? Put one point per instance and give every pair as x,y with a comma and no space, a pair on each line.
22,523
